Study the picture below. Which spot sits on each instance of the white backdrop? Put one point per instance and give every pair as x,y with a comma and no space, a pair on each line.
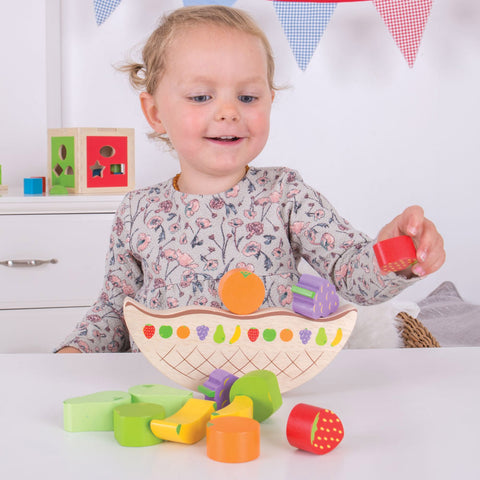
370,133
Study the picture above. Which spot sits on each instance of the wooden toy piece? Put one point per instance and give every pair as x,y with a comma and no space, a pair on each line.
314,429
233,439
171,399
58,190
293,347
262,387
395,254
188,425
44,183
131,424
32,186
217,387
92,412
240,406
241,291
314,297
91,160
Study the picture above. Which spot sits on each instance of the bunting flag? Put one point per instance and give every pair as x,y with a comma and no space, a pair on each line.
406,20
104,8
226,3
303,23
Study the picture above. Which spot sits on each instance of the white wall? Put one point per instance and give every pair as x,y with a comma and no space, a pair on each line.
373,135
23,110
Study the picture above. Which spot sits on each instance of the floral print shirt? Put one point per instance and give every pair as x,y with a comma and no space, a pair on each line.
170,249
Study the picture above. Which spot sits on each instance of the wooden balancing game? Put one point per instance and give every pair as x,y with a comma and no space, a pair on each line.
395,254
91,160
187,343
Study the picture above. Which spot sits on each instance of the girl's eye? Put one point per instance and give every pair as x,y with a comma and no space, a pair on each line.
200,98
246,98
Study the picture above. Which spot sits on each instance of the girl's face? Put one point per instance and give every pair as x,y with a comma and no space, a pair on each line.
213,101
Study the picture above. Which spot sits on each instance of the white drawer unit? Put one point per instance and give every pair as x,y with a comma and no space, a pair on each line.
52,260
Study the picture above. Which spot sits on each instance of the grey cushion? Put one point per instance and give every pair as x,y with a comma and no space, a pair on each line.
452,321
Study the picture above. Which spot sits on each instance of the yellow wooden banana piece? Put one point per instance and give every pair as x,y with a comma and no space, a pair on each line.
241,406
188,425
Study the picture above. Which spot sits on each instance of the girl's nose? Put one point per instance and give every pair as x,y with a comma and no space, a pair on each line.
227,112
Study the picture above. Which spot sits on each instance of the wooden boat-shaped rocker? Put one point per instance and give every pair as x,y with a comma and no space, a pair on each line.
186,344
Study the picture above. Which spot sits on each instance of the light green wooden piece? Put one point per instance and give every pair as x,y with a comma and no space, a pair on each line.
131,424
172,399
92,412
262,387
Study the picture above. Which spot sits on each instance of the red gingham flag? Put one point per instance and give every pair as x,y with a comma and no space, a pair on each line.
406,20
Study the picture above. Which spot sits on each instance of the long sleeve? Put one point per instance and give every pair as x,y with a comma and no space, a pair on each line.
103,328
335,249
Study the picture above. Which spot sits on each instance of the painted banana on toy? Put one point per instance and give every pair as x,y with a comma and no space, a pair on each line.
236,334
338,338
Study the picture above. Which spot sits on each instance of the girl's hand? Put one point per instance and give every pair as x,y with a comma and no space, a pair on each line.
69,350
428,242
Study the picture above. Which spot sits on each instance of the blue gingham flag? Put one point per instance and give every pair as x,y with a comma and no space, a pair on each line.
303,24
104,8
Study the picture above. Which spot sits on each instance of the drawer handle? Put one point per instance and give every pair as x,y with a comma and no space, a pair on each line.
27,263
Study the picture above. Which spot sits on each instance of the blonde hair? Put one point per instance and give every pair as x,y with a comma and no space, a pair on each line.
145,76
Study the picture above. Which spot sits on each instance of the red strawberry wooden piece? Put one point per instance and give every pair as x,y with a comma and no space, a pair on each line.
149,331
313,429
395,254
253,334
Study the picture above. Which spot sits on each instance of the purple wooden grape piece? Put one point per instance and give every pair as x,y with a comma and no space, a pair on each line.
217,387
314,297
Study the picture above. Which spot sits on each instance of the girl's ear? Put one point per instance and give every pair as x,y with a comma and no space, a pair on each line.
151,113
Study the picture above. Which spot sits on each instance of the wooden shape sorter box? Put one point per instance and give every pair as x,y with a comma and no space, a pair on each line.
91,160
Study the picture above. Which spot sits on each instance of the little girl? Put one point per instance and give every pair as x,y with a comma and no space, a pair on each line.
207,87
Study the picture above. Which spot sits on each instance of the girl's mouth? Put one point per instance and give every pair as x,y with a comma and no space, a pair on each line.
225,139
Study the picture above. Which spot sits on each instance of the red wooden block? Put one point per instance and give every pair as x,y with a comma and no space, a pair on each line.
395,254
313,429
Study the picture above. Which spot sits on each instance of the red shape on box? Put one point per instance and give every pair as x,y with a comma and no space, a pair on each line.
313,429
109,153
395,254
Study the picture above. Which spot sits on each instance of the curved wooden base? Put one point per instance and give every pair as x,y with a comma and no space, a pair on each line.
186,344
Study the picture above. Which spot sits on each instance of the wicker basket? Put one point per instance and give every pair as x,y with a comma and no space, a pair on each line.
414,333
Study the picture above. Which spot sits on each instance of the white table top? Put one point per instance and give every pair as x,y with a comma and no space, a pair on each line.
406,413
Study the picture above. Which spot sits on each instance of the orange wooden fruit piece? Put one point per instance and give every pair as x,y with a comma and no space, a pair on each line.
233,439
241,291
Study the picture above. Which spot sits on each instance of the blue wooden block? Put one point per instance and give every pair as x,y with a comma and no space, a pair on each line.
32,186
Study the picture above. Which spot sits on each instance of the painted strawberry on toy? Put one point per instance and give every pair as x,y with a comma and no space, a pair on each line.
316,430
149,331
253,334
